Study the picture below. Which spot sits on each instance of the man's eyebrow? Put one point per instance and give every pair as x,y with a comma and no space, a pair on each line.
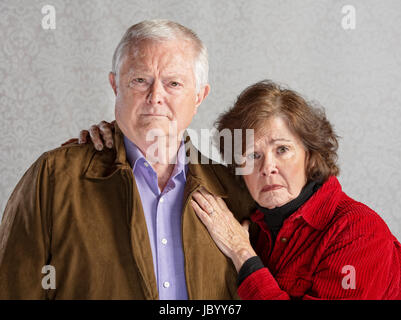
145,71
175,75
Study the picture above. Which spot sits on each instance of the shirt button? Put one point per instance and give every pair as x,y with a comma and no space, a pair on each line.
283,240
146,164
161,199
164,241
166,284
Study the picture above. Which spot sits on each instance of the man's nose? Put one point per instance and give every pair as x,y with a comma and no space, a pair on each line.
269,165
155,95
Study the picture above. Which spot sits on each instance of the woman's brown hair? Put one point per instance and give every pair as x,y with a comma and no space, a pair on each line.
266,99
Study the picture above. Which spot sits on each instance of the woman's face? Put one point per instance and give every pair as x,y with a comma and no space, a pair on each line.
279,163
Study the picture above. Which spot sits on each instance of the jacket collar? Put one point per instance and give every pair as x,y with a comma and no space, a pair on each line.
104,164
201,171
319,209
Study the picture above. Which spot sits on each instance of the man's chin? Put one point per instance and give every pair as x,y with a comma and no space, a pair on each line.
153,131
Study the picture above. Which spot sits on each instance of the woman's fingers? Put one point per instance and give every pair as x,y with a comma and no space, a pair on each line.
209,203
106,132
203,202
83,136
95,136
100,134
203,216
221,203
210,198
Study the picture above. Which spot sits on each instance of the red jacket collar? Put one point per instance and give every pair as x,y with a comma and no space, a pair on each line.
319,209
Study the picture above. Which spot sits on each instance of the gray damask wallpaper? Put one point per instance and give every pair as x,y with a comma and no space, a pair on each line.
346,55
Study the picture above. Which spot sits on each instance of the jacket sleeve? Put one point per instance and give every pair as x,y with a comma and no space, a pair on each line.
25,236
364,262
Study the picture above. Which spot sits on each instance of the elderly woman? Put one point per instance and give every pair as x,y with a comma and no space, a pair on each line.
312,240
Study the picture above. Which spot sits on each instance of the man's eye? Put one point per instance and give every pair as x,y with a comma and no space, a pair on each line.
137,81
174,84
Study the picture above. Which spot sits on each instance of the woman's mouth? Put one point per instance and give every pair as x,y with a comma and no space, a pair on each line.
271,187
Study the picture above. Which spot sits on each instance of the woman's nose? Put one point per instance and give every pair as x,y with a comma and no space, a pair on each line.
269,166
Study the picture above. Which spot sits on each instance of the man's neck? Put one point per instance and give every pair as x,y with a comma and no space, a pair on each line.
163,157
163,173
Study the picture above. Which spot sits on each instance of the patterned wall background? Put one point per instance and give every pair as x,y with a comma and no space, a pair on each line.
54,82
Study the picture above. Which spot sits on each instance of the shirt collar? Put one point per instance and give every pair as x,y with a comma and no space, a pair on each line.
198,169
135,156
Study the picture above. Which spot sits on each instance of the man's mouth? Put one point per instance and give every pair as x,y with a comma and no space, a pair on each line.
153,115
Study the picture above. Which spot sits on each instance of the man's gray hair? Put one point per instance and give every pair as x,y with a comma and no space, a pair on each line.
160,30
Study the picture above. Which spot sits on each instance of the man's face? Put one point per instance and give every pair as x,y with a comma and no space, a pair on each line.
156,89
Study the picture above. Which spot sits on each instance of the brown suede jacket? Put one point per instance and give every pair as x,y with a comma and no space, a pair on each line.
79,211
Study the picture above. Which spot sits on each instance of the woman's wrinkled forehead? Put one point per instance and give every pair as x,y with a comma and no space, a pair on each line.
275,130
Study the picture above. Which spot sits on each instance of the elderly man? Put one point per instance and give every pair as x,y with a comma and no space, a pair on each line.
117,224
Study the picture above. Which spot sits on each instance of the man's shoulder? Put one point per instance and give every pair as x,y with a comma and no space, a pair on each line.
72,152
217,167
218,171
76,158
237,195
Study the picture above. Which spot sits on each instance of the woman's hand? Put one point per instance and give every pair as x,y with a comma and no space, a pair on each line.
231,237
100,135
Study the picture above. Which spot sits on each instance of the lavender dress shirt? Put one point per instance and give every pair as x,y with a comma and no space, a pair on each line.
163,212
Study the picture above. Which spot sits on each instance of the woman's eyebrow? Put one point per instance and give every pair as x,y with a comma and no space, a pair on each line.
280,139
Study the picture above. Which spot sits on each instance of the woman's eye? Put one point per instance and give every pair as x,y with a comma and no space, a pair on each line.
254,156
174,84
282,149
140,80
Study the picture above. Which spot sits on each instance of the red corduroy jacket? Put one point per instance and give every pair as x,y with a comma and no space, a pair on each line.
332,247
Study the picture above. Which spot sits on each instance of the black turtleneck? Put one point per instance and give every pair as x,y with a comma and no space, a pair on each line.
274,219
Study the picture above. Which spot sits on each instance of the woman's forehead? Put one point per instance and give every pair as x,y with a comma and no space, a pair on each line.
273,129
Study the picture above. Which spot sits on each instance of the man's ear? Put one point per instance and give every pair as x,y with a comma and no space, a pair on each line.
112,80
201,95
